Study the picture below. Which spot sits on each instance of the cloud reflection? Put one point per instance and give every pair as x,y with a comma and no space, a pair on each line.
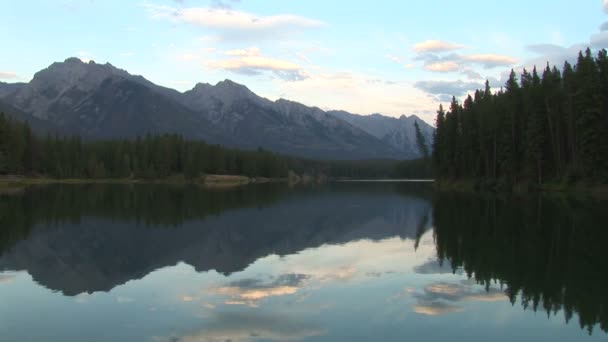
442,298
250,326
7,278
251,291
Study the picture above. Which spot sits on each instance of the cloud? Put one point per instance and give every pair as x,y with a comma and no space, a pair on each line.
436,308
7,278
85,56
605,6
5,75
471,74
432,266
250,326
123,300
604,26
442,298
251,291
448,66
250,62
600,40
222,4
436,46
553,54
489,61
127,54
231,24
460,63
447,88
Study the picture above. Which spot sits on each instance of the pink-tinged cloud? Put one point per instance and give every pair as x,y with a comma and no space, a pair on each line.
448,66
7,75
436,46
250,62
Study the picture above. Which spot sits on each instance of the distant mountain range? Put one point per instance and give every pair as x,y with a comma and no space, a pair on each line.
100,101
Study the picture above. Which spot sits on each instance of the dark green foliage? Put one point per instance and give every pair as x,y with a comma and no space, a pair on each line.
547,252
162,156
421,142
158,156
538,129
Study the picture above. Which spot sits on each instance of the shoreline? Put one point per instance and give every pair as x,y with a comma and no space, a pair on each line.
481,186
10,183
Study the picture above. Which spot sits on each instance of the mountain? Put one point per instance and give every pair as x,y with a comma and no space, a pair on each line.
100,101
41,127
397,132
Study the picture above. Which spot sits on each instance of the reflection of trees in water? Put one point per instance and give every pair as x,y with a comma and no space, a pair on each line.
550,251
158,205
92,238
153,205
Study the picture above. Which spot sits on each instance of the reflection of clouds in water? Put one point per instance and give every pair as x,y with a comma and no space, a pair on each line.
441,298
7,278
432,266
123,300
358,259
317,267
250,326
250,291
436,308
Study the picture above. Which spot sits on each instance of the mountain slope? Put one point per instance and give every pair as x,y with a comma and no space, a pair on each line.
397,132
101,101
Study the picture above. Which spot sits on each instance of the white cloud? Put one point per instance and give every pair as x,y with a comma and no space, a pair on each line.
231,24
84,56
251,62
605,6
463,63
7,75
447,66
357,93
436,46
600,40
443,298
490,60
251,326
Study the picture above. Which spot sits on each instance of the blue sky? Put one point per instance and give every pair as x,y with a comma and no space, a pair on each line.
392,57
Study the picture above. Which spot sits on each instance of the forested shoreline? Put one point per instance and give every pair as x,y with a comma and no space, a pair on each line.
154,157
548,126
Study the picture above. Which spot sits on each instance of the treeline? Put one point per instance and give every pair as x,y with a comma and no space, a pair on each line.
148,205
153,156
549,125
162,156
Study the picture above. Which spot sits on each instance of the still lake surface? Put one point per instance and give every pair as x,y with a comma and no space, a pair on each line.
340,262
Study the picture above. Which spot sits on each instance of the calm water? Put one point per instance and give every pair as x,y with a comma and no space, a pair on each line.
343,262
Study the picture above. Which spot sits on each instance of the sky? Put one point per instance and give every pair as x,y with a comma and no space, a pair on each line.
390,57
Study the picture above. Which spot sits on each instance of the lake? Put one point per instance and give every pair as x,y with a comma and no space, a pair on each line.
338,262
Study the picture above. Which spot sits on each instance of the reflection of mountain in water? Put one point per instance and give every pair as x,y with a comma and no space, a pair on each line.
550,252
93,250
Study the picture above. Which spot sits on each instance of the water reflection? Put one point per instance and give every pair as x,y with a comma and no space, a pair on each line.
345,262
87,239
550,251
